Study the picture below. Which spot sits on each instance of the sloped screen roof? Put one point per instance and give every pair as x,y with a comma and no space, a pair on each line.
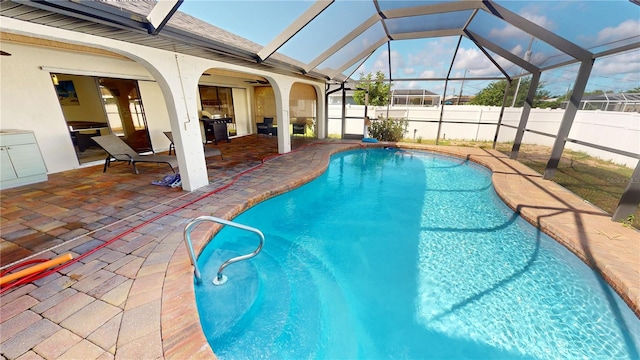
407,40
348,37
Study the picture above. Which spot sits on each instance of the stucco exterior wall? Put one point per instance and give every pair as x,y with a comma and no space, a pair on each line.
28,98
29,101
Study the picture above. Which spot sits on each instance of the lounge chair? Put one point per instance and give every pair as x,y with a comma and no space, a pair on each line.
169,136
208,152
118,150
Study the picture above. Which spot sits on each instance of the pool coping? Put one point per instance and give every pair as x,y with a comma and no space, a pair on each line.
581,227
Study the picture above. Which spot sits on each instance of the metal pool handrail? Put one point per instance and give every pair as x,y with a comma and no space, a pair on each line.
220,278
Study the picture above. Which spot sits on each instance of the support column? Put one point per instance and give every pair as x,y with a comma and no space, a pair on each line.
284,139
444,96
178,78
567,118
281,88
321,112
504,101
344,111
630,199
524,117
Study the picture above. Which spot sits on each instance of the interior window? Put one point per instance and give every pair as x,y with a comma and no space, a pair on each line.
217,101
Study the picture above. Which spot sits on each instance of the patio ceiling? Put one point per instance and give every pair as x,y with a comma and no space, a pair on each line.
332,39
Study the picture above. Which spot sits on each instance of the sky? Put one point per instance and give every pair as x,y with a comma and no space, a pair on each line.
589,24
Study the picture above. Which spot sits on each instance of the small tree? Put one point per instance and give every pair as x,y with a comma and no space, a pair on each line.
388,129
379,91
493,94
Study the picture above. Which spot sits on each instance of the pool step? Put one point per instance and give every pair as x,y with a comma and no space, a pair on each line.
336,317
263,314
318,310
220,310
304,322
235,330
279,311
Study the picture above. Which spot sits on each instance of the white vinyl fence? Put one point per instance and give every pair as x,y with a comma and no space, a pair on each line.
617,130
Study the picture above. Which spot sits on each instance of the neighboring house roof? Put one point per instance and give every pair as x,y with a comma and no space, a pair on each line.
414,92
398,92
631,97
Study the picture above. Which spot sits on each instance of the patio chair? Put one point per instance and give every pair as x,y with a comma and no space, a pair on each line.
208,152
118,150
300,126
266,127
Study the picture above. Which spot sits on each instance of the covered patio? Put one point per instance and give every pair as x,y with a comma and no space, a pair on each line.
75,206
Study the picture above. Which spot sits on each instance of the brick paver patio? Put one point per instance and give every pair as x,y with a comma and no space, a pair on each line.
133,297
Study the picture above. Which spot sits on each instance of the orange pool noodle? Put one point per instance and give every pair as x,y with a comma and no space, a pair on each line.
35,268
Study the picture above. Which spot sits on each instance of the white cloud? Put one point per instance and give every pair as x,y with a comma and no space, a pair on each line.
437,88
626,29
410,85
433,54
381,63
625,63
539,20
408,70
518,50
427,74
397,62
530,13
509,32
475,62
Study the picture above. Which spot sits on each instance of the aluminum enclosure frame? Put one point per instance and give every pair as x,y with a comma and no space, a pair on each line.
157,25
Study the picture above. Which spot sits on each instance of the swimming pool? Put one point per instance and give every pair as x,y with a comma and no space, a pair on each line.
393,254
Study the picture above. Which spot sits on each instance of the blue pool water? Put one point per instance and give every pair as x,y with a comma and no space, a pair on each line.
404,255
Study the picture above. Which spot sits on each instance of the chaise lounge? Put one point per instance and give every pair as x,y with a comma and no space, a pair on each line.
118,150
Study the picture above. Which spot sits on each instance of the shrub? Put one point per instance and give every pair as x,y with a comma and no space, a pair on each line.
388,129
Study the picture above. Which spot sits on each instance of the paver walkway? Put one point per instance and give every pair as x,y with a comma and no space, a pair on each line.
133,298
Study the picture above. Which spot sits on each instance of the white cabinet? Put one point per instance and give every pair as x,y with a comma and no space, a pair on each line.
20,159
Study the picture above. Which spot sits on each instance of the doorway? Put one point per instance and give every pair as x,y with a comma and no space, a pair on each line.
124,112
94,106
265,104
83,114
216,102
